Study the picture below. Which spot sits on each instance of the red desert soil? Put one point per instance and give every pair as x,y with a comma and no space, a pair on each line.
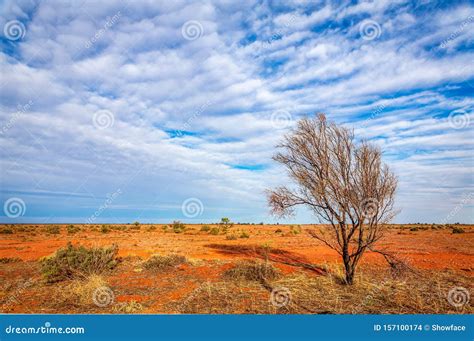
427,249
210,255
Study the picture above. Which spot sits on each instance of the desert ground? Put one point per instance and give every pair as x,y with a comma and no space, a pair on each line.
241,269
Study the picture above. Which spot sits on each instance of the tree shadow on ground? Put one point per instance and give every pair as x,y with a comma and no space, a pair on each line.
272,254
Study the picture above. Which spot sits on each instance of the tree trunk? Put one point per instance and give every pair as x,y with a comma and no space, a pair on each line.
348,267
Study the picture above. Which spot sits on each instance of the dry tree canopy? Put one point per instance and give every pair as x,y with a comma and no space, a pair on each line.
342,181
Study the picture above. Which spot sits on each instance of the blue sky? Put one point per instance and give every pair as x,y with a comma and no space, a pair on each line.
118,111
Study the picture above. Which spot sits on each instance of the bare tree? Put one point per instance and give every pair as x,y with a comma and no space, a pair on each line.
344,182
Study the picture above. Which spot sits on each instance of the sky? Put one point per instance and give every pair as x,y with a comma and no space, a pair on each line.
153,111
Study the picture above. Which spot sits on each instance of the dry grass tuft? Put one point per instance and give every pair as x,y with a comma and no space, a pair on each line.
6,260
224,298
79,293
161,263
252,271
131,307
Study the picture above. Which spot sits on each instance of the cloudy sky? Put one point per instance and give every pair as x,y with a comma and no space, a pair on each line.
116,111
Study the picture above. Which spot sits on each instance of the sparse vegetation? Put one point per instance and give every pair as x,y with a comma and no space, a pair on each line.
252,271
214,231
164,262
6,260
78,262
53,229
136,226
80,292
72,229
244,235
6,230
131,307
178,227
205,228
458,230
104,229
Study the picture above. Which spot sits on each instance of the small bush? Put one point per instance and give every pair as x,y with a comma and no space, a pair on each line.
78,262
130,307
231,237
458,230
151,228
178,227
278,231
244,235
413,229
205,228
104,229
252,271
136,226
71,229
6,260
53,229
6,230
214,231
164,262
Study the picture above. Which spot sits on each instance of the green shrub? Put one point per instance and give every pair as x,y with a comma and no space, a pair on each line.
458,230
178,226
53,229
71,229
205,228
78,262
164,262
244,235
214,231
136,226
104,229
151,228
231,237
414,229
